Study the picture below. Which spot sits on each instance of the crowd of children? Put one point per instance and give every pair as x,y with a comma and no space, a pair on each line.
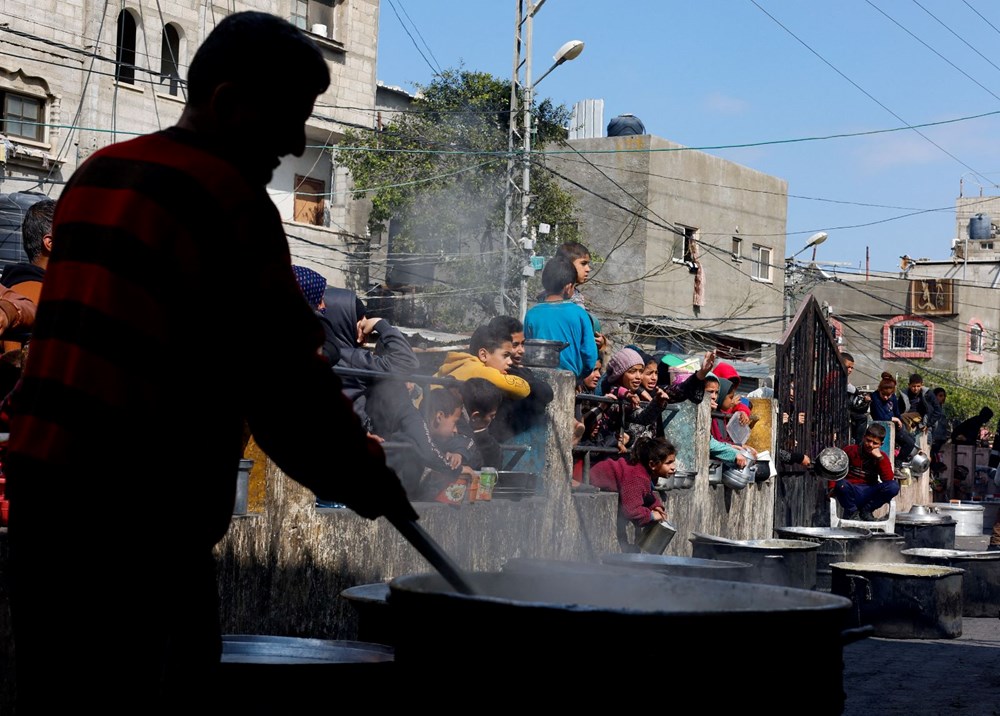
440,436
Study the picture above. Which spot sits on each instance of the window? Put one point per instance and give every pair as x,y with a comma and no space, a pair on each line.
974,350
310,201
170,52
23,116
307,14
908,337
737,248
760,267
125,51
988,245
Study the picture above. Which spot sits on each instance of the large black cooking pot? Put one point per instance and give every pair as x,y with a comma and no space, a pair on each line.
558,635
281,674
682,566
924,527
370,603
836,544
901,600
980,581
784,562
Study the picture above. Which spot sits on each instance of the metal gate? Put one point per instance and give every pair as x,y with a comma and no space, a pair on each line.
810,387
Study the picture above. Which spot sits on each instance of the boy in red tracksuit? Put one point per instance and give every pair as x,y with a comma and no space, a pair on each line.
860,493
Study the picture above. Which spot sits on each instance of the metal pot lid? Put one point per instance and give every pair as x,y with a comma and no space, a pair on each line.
951,555
921,517
825,532
832,463
898,569
960,507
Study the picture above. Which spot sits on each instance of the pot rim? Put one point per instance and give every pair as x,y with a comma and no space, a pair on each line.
898,569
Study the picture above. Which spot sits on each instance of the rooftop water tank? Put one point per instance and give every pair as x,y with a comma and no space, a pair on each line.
625,124
980,228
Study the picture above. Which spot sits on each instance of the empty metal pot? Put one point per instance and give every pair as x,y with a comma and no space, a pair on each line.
654,537
836,544
784,562
681,566
980,581
901,600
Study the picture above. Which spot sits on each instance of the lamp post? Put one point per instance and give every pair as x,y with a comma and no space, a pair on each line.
522,102
791,272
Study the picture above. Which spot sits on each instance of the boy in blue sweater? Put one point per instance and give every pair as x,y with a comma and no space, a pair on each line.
558,318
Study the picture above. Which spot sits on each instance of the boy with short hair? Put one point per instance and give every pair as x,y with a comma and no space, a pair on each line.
489,357
557,318
861,493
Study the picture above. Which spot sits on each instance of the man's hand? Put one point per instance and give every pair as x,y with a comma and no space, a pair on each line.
806,461
453,459
366,326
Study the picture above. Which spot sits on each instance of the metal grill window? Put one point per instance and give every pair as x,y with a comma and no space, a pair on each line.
22,116
908,335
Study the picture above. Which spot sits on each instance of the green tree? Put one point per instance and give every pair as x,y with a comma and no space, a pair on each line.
439,172
967,392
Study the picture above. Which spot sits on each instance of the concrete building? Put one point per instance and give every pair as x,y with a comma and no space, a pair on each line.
76,76
685,241
935,315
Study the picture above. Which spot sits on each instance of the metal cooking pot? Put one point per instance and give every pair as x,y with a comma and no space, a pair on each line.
654,537
923,527
539,353
836,544
279,674
784,562
832,463
919,464
736,477
558,624
681,566
370,603
980,582
900,600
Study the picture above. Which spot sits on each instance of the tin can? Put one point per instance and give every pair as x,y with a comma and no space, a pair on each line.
487,481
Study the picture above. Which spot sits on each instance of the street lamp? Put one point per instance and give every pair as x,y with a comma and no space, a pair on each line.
815,240
569,51
792,277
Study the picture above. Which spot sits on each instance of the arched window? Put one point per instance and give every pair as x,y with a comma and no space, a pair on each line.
170,53
974,349
908,337
125,51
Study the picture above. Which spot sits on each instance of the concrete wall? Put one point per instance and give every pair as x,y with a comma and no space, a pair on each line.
670,186
282,569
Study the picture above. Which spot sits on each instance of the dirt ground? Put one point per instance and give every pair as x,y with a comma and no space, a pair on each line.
943,677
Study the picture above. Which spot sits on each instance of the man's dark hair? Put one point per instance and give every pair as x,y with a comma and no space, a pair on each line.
876,430
480,395
938,392
557,274
916,378
506,325
846,356
37,223
257,50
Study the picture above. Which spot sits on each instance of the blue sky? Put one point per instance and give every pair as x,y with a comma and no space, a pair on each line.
713,73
